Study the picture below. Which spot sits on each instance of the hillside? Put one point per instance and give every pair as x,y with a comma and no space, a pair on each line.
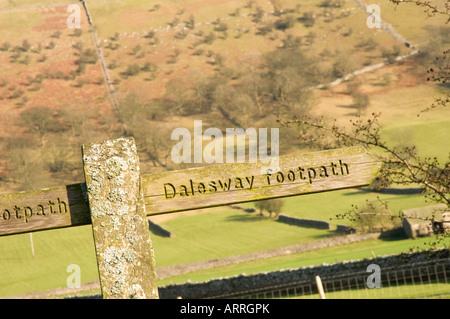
144,68
229,63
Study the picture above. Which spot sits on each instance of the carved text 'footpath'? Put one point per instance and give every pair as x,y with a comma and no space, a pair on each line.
26,213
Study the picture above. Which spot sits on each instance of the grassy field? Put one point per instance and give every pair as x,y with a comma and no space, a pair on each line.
211,234
399,91
54,252
325,206
426,291
225,233
355,251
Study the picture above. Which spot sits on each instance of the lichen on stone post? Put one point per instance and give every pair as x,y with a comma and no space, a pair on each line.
122,240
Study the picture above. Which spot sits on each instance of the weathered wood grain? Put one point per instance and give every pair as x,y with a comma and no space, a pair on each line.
243,182
358,169
122,240
44,209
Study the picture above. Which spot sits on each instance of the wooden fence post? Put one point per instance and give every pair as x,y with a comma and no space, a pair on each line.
320,287
122,240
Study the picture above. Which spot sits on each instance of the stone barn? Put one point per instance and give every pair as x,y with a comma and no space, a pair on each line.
426,221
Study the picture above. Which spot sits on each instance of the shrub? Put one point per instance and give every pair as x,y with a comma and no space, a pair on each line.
367,43
56,34
132,69
113,65
35,87
77,32
50,46
113,46
390,55
81,82
360,101
115,37
42,59
209,39
308,19
198,52
26,60
172,60
342,67
258,15
136,49
23,101
81,68
16,94
249,4
25,45
174,22
149,67
15,57
156,7
332,3
181,34
78,46
5,46
37,50
150,34
284,22
221,27
270,205
88,56
235,13
190,24
263,30
57,162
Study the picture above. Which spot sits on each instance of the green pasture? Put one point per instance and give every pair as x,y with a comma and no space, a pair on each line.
325,206
215,234
410,291
54,251
219,234
355,251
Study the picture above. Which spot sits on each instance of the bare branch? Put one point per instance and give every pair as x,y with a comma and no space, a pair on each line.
431,9
401,164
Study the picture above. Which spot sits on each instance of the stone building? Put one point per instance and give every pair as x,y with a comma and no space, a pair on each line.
426,221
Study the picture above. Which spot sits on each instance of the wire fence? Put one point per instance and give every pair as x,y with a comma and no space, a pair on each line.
429,279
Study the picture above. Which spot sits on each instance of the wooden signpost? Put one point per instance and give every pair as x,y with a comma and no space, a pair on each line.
116,199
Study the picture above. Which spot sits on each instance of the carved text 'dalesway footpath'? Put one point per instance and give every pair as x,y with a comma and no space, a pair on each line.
195,188
243,182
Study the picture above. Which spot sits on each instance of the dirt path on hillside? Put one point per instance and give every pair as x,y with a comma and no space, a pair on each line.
373,67
101,57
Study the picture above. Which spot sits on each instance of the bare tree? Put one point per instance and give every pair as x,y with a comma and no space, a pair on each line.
39,120
402,164
432,8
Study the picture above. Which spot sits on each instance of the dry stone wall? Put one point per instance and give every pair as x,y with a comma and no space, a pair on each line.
234,285
319,224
